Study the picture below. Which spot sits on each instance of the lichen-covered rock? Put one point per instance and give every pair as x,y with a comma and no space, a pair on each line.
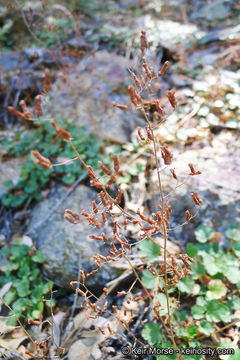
67,247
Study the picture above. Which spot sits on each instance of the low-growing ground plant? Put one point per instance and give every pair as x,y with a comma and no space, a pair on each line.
20,273
33,177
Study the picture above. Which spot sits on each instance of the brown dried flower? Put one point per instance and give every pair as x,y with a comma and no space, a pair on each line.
41,160
166,155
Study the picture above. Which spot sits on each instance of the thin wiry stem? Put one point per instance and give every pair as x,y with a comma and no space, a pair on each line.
165,232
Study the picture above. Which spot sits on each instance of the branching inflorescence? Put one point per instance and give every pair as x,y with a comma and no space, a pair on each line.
117,245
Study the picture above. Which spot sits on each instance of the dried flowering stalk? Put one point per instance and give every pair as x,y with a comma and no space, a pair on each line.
158,222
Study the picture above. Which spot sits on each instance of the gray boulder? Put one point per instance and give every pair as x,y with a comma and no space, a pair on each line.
67,247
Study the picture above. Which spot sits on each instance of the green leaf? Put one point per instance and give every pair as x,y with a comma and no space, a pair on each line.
152,333
24,271
20,305
34,274
201,301
233,233
206,327
149,280
8,184
148,249
217,289
217,311
197,312
186,285
204,233
37,293
192,330
191,250
22,287
197,270
10,296
210,264
233,274
182,332
47,287
7,199
68,179
235,302
38,257
35,314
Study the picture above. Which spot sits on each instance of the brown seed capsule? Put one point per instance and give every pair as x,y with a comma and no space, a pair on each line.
143,41
38,108
173,174
33,322
102,197
91,173
166,155
114,308
172,99
189,258
47,81
116,163
196,198
188,216
25,109
141,135
73,214
94,205
82,275
70,219
102,331
111,180
134,96
80,292
105,238
185,262
41,160
119,106
104,168
149,132
193,171
16,112
135,79
44,346
158,107
105,291
163,69
145,218
96,184
119,196
121,293
61,133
